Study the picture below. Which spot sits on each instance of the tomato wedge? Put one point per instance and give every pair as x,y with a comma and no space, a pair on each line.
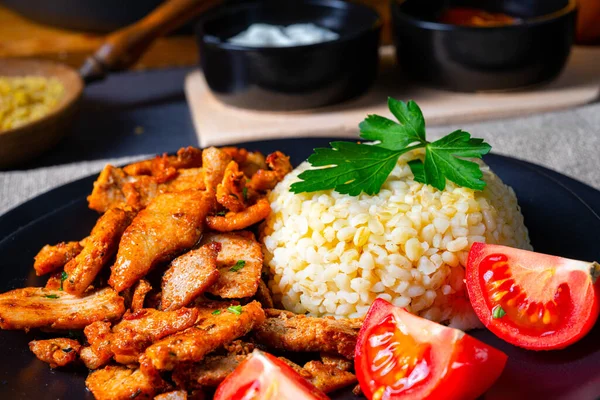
264,377
532,300
401,356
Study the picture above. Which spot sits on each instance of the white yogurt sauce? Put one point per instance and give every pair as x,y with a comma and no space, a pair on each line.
266,35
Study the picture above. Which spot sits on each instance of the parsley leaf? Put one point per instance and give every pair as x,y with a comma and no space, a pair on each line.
63,278
221,213
353,168
237,310
442,162
216,312
245,192
238,265
51,296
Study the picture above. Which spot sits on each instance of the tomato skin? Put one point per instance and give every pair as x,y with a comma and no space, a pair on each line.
257,376
578,316
460,366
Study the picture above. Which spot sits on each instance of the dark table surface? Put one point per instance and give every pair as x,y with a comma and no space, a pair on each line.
113,112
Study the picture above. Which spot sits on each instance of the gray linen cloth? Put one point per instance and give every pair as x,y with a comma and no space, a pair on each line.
567,142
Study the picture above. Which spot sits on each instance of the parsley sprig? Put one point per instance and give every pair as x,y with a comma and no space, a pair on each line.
352,168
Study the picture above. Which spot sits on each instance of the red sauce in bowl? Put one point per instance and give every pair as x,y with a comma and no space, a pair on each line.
475,17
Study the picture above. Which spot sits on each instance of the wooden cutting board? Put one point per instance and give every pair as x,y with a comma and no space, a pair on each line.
219,124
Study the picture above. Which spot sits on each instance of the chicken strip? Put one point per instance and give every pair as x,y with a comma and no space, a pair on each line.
232,192
279,166
99,352
214,162
187,157
122,383
189,276
328,378
140,329
287,331
37,307
114,188
209,373
240,262
142,288
99,248
52,258
214,329
172,222
173,395
234,221
249,162
337,361
57,352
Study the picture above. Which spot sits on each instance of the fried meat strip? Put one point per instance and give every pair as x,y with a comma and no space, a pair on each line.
287,331
214,162
188,157
328,378
99,352
51,258
57,352
339,362
138,330
122,383
263,295
173,395
240,263
189,276
99,248
212,331
171,223
234,221
37,307
249,161
209,373
142,288
232,191
114,188
55,282
279,166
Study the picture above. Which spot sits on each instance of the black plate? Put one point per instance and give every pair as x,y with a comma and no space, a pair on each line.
562,216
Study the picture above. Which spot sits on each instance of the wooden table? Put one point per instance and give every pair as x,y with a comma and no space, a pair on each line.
21,38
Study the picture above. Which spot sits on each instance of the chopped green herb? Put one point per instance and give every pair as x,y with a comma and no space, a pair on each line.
68,350
238,265
245,193
235,309
51,296
352,168
222,213
498,312
216,312
63,278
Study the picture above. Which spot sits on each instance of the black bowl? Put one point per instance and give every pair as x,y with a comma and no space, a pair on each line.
469,59
290,78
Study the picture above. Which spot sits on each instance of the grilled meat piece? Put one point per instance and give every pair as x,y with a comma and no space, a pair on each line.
142,288
99,248
160,166
232,192
211,332
240,263
140,329
328,378
189,276
172,222
114,188
337,361
263,295
98,353
287,331
234,221
122,383
209,373
214,162
37,307
52,258
279,166
173,395
57,352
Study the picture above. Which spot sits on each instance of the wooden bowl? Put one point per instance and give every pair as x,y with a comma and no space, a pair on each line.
28,141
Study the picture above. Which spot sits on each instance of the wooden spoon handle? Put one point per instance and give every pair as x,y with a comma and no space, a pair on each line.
124,47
